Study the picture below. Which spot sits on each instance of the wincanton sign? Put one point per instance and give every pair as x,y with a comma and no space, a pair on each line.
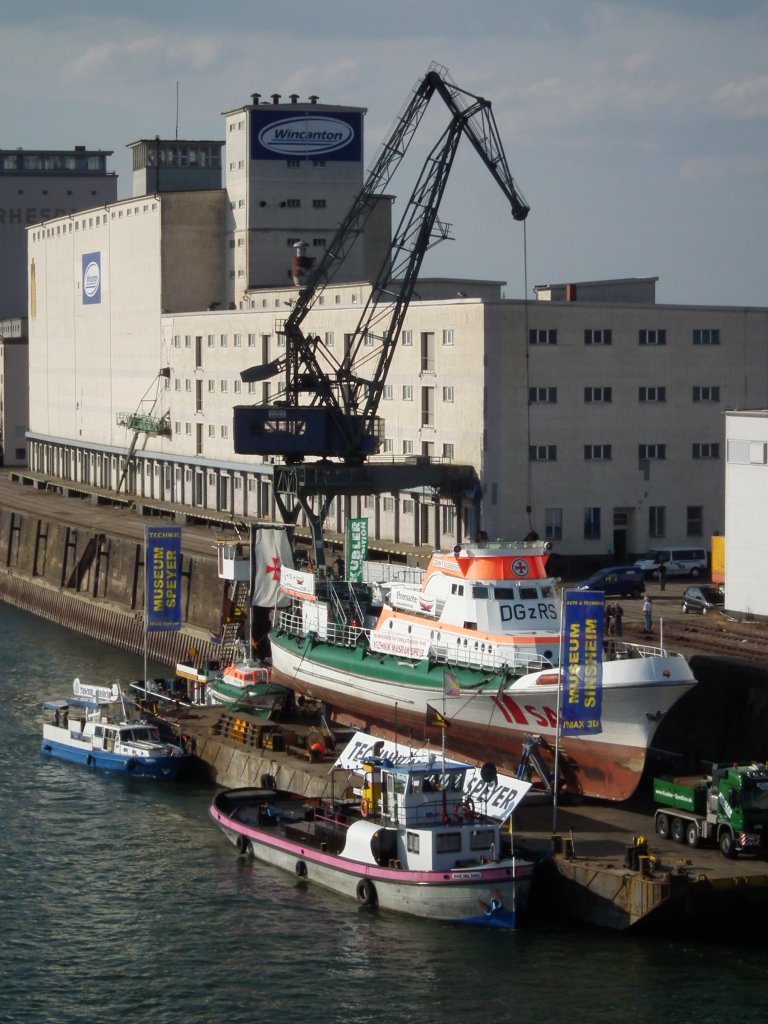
305,136
582,661
163,554
91,278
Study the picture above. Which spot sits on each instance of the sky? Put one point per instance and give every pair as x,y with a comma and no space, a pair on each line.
636,130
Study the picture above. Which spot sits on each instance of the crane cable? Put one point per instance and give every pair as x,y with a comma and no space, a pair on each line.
526,341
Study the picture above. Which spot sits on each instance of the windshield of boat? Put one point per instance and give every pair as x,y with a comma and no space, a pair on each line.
142,734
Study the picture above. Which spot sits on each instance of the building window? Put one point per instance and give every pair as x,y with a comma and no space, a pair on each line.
542,453
237,386
238,341
706,394
448,451
176,341
601,337
407,447
318,204
293,203
653,337
407,338
709,336
223,340
177,384
187,385
598,394
408,506
293,164
369,338
224,386
538,395
542,337
706,451
389,445
553,523
597,452
652,451
224,430
657,526
407,392
211,340
319,243
652,394
448,336
388,504
329,339
448,515
694,521
592,523
388,393
211,430
448,394
211,385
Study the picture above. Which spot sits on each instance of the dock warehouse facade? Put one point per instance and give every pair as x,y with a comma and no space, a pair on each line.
593,406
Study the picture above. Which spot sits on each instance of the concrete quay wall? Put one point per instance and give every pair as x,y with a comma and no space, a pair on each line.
89,576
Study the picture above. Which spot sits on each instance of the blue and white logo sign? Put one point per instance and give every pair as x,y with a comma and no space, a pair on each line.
91,278
306,136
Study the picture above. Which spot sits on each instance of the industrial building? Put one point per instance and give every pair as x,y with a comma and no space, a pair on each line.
592,414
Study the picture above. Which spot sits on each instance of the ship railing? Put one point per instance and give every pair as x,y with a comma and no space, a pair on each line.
490,660
620,650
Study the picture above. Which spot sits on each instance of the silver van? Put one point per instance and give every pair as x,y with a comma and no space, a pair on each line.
677,561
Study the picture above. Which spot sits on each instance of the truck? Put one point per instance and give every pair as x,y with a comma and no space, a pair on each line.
729,807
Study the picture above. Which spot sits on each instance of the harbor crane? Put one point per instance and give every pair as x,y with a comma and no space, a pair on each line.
328,408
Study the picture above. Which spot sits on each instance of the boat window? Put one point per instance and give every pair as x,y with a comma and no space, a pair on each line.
482,839
456,780
448,842
504,593
457,588
481,593
529,593
548,592
98,731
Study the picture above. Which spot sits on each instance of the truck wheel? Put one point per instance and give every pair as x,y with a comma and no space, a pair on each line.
727,845
678,830
692,836
662,825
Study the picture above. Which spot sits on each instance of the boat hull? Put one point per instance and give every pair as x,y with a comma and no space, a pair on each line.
166,768
491,895
492,719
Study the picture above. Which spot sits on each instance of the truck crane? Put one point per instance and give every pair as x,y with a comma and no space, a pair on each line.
328,408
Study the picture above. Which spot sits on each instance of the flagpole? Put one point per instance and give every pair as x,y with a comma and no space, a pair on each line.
556,781
146,610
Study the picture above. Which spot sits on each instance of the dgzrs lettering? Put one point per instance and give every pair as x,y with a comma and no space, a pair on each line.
544,610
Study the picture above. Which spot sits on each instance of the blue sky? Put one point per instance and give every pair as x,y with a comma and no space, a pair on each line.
637,131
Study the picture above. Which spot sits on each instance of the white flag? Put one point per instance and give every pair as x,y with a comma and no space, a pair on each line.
269,551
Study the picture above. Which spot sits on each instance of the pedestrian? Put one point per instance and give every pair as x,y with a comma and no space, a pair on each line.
618,613
609,620
662,576
648,614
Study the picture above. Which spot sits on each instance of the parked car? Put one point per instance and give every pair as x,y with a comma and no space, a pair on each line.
616,581
677,561
702,598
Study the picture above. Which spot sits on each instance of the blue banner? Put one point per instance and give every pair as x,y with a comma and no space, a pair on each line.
582,662
330,135
163,554
91,278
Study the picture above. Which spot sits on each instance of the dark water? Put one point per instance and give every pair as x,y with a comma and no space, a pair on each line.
120,902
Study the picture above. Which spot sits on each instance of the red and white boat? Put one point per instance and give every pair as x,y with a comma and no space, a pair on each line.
477,636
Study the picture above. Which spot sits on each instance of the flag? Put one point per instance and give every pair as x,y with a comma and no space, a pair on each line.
435,719
270,550
451,686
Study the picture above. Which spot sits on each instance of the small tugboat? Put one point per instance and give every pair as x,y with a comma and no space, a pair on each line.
92,728
414,841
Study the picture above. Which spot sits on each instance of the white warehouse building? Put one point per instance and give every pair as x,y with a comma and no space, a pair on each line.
591,414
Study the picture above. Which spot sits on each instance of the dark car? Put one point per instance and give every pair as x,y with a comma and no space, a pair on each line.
702,598
616,581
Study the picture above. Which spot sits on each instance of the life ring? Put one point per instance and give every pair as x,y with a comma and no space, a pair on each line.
301,869
242,844
366,893
365,808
